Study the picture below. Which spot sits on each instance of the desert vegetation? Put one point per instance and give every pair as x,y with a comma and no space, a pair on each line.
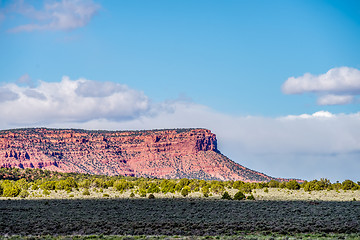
54,205
37,183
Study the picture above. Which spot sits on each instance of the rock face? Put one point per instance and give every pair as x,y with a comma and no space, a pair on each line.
179,153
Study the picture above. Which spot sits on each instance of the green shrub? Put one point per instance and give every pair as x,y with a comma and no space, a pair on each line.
153,188
226,196
217,187
71,195
239,196
266,190
22,184
85,183
167,186
273,184
46,192
185,191
205,190
349,185
122,185
184,182
34,187
151,196
293,185
250,197
1,190
86,192
246,187
48,185
11,191
142,192
24,194
106,195
132,195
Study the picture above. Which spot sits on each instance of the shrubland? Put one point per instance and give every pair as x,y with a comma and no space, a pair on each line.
23,183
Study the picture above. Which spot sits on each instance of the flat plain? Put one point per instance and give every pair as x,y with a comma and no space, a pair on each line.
185,217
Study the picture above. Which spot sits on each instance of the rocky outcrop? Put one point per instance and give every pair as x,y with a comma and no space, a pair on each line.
177,153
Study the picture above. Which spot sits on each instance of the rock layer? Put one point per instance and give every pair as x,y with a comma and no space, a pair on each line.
177,153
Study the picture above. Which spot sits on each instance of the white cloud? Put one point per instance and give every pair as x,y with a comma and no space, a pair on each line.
318,115
61,101
339,85
63,15
331,99
7,95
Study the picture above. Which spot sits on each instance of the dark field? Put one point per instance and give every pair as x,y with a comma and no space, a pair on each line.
175,217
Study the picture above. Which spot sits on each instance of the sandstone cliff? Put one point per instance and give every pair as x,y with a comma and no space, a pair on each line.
179,153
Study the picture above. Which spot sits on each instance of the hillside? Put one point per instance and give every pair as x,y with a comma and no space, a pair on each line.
177,153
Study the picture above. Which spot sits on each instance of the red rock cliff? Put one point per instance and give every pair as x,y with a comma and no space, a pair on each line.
178,153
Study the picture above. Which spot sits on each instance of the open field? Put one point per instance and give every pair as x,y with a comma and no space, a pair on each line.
195,217
272,194
243,236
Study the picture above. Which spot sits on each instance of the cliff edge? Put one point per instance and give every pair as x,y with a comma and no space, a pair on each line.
177,153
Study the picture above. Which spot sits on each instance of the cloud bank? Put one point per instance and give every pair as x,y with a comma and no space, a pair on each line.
337,86
62,15
69,101
307,146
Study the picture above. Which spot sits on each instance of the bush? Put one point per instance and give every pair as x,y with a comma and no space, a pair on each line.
48,185
246,188
217,187
46,192
226,196
250,197
239,196
132,195
293,185
167,186
86,192
1,190
274,184
11,191
22,183
85,183
24,194
153,188
122,185
142,192
266,190
349,185
151,196
106,195
185,191
205,191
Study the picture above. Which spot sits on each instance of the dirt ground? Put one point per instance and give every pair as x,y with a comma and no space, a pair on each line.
177,216
273,194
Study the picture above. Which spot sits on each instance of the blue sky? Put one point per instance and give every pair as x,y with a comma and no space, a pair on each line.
266,65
